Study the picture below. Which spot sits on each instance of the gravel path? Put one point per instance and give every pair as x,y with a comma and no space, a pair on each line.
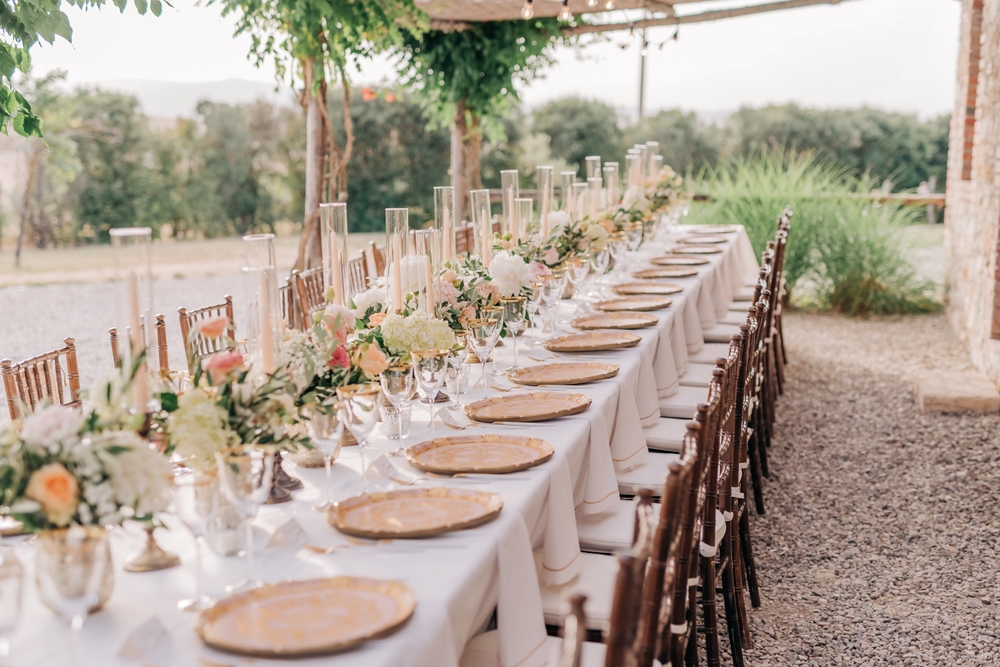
880,539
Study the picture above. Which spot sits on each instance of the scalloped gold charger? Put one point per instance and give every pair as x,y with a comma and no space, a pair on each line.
713,229
592,341
706,238
572,372
624,320
665,272
680,260
310,617
648,287
696,250
534,407
638,303
404,513
487,453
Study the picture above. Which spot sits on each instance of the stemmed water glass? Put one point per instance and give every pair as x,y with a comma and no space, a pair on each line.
481,335
245,476
430,367
576,272
196,501
494,313
326,432
70,569
459,353
599,262
534,307
11,593
513,317
552,292
618,246
397,387
359,414
633,236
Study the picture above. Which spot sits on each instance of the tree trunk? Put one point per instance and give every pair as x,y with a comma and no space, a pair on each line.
475,140
310,251
26,208
459,178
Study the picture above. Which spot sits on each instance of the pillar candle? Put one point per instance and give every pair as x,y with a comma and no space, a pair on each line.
397,278
266,329
447,240
487,238
140,389
338,274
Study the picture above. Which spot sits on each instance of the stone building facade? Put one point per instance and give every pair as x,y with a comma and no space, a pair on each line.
972,216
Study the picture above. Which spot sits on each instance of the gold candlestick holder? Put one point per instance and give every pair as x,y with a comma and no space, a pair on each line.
153,557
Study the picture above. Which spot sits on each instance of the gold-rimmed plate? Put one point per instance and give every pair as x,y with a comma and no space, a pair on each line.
487,453
713,229
680,260
665,272
696,250
624,320
707,238
534,407
648,287
308,617
570,372
408,513
592,341
637,303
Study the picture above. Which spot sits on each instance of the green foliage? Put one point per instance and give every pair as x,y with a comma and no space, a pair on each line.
844,252
578,128
686,143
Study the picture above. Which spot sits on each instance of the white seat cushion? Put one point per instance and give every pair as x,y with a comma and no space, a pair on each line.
683,404
710,352
697,375
744,294
484,651
667,435
608,530
736,317
720,333
650,474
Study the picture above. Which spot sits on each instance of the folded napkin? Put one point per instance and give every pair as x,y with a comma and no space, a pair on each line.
520,623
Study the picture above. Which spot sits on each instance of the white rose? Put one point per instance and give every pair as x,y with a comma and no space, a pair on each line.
558,220
365,300
509,273
53,428
635,198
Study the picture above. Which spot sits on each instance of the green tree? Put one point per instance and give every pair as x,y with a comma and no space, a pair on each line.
686,144
578,128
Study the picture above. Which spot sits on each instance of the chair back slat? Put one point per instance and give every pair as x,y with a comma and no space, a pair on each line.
377,258
33,380
624,610
197,346
462,238
357,276
309,290
574,633
162,352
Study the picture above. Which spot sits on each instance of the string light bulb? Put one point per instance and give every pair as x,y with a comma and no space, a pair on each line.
528,11
592,3
565,14
609,5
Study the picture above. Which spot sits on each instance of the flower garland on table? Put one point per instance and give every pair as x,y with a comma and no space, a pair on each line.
569,239
463,291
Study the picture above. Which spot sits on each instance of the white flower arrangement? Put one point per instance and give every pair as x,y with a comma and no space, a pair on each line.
199,427
417,331
558,220
509,273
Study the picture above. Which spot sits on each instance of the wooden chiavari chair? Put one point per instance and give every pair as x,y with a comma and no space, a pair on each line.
357,276
53,375
198,346
309,290
162,355
376,257
289,305
463,238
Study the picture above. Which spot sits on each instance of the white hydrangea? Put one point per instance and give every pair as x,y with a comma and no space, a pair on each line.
417,331
138,476
199,428
55,428
635,198
598,237
510,273
558,220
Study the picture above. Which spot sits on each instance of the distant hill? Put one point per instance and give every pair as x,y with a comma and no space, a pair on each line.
173,99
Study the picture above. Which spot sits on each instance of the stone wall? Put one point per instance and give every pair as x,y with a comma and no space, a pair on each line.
972,216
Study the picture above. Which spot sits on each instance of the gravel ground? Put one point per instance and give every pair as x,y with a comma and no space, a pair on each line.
881,534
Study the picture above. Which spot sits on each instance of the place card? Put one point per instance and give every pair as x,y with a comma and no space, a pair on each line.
289,535
144,640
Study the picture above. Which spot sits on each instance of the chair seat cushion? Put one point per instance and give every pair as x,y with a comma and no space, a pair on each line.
736,317
710,352
667,435
608,530
743,294
683,404
720,333
650,474
697,375
484,651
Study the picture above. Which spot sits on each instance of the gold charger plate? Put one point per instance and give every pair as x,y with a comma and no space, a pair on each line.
534,407
592,341
615,321
696,250
680,260
713,229
638,303
573,372
488,453
707,238
665,272
648,288
310,617
404,513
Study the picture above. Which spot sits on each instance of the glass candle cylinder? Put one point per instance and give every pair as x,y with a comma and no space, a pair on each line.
545,187
425,266
482,225
567,179
643,160
333,217
511,191
397,231
593,164
632,175
656,165
611,183
261,286
444,221
134,304
524,215
579,195
594,186
654,150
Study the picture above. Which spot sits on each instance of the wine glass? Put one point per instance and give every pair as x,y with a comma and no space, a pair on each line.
397,386
534,306
359,414
431,367
196,501
599,262
513,316
326,431
576,272
494,313
70,566
459,354
633,236
11,593
245,475
617,246
552,292
481,334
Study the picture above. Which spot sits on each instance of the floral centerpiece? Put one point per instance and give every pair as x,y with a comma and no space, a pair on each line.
665,191
401,334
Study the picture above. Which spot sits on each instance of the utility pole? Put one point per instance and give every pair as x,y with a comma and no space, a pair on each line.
642,71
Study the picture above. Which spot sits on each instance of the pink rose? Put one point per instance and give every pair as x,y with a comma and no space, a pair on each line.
449,276
212,329
446,292
489,291
340,358
468,313
220,365
56,489
538,269
551,256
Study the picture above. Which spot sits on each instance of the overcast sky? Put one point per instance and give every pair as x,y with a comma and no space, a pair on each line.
893,54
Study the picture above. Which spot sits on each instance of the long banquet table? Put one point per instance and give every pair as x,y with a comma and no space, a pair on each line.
458,578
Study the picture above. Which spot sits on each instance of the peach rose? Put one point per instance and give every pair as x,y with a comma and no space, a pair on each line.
56,490
468,313
376,319
449,276
212,329
551,256
221,364
609,226
372,361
